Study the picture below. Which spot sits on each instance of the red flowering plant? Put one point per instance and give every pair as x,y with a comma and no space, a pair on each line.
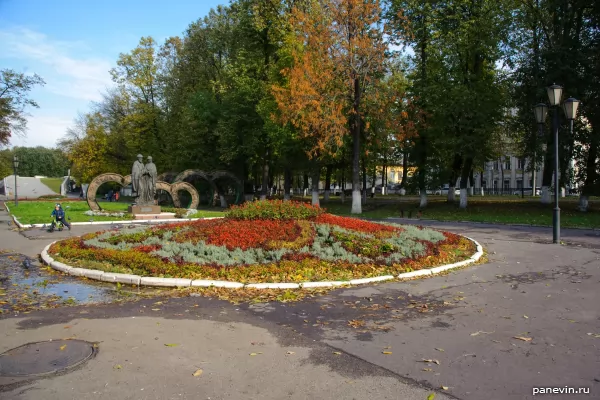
271,241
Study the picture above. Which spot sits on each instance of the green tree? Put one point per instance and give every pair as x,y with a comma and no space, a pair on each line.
14,100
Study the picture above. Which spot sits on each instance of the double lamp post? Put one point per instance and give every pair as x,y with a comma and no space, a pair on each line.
541,111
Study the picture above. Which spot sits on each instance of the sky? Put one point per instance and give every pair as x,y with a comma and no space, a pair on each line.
73,44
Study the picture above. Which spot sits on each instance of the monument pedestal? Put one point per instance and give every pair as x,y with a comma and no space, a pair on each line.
164,215
136,209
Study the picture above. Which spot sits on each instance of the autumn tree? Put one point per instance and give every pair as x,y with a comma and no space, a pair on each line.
338,52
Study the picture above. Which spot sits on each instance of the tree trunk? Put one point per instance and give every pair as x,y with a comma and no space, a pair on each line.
421,165
454,176
343,184
548,171
481,180
404,169
501,166
356,200
383,178
364,182
591,175
327,182
265,177
315,186
466,171
471,182
287,183
305,187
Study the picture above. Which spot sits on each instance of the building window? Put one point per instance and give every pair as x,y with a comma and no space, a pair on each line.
507,163
495,184
520,163
519,184
506,184
484,184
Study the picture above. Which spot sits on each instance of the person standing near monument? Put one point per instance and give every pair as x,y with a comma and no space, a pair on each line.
136,175
150,179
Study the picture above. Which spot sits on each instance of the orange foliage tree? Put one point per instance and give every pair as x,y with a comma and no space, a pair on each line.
337,52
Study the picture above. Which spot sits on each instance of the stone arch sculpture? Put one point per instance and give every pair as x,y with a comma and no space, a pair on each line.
177,186
211,177
172,189
98,181
225,174
167,177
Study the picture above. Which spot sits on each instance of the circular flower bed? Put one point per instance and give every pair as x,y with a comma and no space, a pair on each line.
266,242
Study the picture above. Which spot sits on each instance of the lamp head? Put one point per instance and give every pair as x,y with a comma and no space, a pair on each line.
554,94
540,111
570,107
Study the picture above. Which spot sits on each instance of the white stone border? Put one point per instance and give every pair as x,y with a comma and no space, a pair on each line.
179,282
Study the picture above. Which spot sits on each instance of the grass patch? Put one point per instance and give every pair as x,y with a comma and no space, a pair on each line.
507,210
38,212
53,183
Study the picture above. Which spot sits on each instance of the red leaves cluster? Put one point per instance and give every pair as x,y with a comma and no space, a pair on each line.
252,234
148,248
355,224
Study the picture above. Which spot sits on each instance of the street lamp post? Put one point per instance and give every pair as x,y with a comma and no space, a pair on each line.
16,165
554,95
541,110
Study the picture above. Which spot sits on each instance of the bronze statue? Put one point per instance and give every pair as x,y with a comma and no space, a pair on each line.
136,174
143,181
150,179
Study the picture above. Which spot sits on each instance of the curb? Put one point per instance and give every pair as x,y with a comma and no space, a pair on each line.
180,282
489,223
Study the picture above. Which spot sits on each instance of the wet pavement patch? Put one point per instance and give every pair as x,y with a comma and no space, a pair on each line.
25,286
45,358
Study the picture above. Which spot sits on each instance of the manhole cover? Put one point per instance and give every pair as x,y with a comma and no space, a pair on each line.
44,358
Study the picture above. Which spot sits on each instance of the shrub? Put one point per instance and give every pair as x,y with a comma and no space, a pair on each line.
274,209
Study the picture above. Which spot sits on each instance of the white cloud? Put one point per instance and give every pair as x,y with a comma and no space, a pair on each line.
67,71
43,130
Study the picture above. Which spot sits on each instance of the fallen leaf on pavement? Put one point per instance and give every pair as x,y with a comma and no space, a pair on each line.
337,353
596,335
427,369
445,387
431,396
156,309
386,352
118,366
290,352
430,361
525,316
525,339
64,346
355,323
255,354
438,349
171,344
197,373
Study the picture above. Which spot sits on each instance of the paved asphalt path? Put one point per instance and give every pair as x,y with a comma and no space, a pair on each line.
28,187
466,320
